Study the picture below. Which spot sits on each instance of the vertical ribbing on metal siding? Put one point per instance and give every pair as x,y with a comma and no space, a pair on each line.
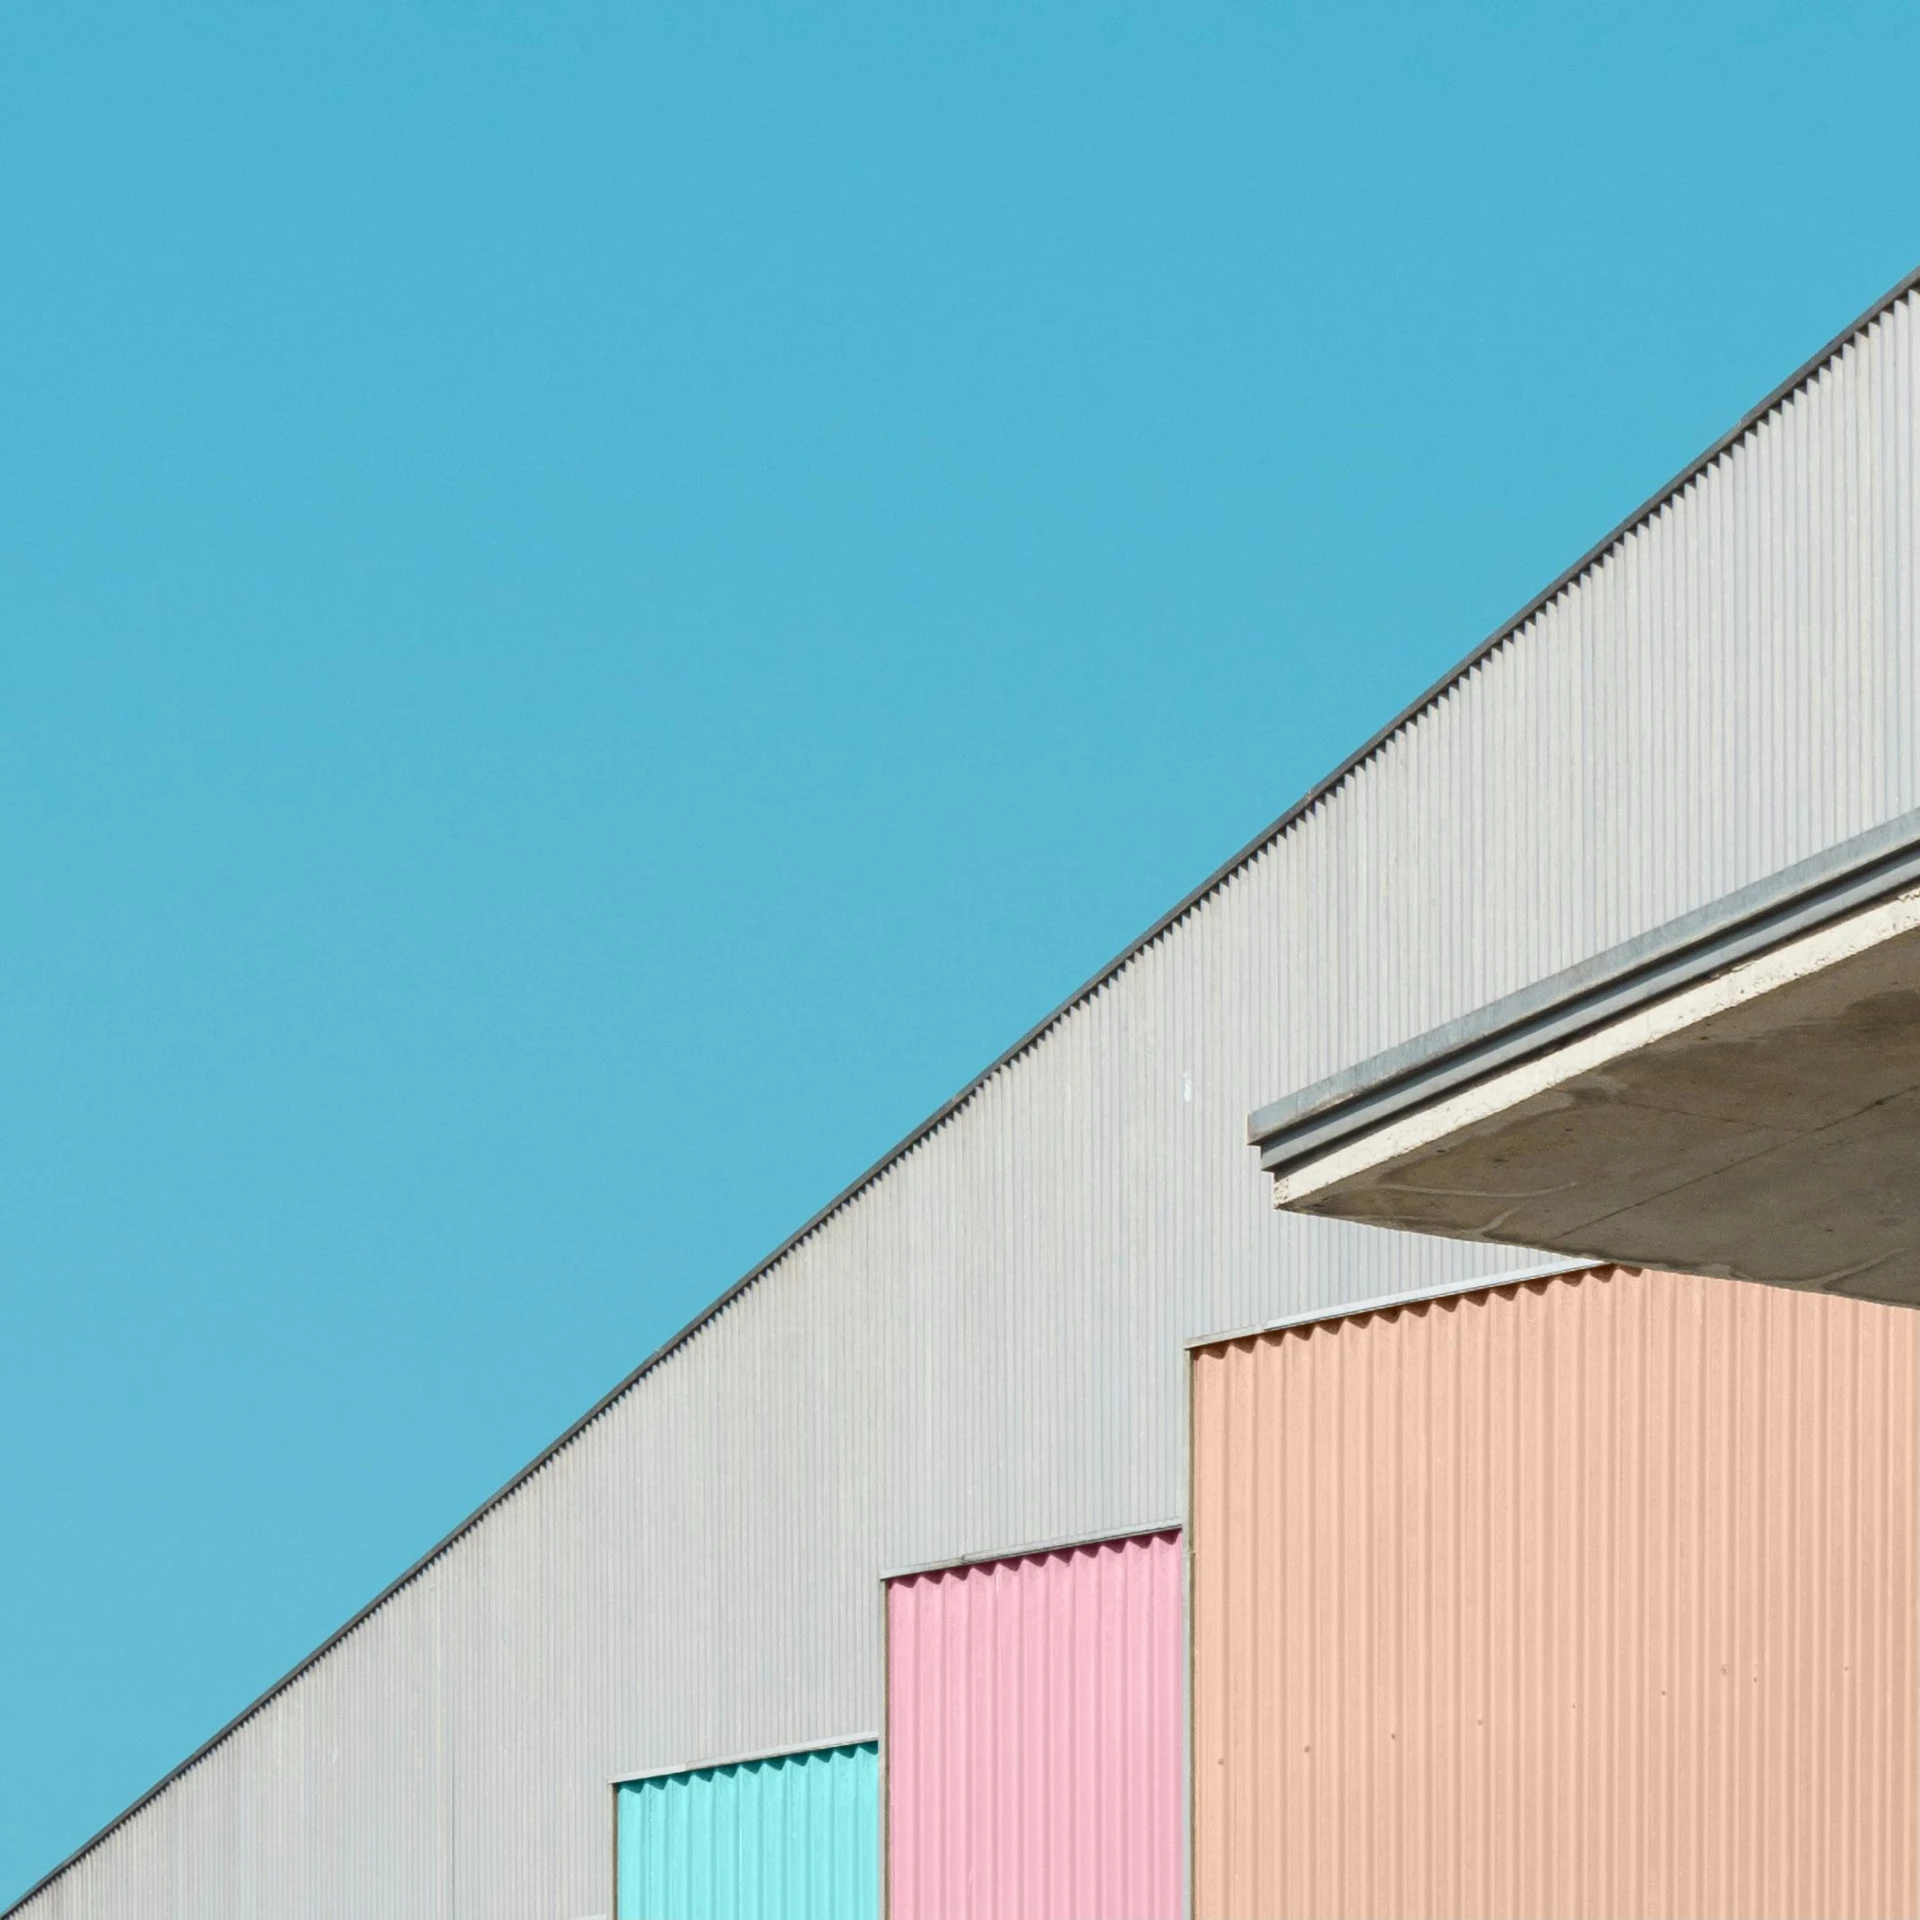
795,1837
1596,1595
1033,1738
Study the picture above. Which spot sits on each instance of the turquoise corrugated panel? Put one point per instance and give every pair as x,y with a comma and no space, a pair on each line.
794,1838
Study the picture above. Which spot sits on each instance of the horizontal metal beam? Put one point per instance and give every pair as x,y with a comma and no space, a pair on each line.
1871,865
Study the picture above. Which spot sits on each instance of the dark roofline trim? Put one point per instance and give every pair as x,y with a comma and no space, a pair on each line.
1648,510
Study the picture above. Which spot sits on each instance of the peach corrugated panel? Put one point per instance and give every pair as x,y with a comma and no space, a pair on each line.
1033,1737
1590,1596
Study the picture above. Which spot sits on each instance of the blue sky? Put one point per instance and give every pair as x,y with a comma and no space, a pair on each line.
576,578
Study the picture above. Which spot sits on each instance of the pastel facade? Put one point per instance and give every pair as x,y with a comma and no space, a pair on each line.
793,1837
1034,1732
1594,1595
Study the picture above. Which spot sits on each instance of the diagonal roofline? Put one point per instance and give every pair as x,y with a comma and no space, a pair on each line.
1802,377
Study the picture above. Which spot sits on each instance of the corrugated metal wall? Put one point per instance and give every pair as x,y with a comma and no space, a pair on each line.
1593,1596
796,1837
1034,1724
981,1348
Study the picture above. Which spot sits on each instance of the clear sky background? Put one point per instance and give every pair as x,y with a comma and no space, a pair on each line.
599,604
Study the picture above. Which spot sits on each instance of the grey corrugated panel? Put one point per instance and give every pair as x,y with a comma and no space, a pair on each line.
980,1342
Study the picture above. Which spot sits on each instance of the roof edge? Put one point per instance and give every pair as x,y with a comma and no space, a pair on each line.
1845,879
1800,378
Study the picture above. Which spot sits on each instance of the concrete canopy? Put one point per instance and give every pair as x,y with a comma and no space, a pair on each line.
1736,1095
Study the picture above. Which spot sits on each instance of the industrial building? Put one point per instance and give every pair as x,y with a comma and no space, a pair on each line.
1400,1397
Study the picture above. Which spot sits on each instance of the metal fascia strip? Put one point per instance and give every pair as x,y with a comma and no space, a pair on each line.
1071,1544
1882,861
1389,1302
754,1759
1799,378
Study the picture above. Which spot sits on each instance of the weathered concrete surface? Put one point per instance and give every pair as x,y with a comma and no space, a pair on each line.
1763,1125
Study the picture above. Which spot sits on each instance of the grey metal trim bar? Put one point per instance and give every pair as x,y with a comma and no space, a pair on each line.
1387,1302
993,1555
1799,378
1884,860
752,1759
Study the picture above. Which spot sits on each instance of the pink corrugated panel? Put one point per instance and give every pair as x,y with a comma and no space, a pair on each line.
1033,1736
1590,1596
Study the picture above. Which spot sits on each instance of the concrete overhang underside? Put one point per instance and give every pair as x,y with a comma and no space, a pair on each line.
1735,1094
